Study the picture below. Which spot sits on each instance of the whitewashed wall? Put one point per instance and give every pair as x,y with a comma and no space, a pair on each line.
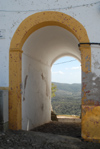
13,12
36,98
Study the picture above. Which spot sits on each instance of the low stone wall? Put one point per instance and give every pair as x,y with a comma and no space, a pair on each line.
69,120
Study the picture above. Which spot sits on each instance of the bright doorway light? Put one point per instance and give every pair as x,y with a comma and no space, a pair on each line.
66,75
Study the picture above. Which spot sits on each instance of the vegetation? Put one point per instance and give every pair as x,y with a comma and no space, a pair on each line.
67,100
53,90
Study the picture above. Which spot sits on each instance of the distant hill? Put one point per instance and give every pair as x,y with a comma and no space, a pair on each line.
67,99
68,90
68,87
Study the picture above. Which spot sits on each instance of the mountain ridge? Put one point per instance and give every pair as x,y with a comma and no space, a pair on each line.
75,87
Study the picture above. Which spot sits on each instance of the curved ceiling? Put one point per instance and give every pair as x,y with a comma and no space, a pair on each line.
50,43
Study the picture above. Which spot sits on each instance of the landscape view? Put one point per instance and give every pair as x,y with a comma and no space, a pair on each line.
67,100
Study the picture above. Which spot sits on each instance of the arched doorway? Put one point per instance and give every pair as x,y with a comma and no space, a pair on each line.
26,30
66,81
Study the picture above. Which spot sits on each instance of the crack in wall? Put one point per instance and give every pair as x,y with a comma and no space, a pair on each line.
25,83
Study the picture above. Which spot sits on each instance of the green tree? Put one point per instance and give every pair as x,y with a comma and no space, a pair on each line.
53,90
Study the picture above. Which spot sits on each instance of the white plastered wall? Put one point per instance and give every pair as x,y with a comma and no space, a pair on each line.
36,93
95,74
40,50
95,56
13,12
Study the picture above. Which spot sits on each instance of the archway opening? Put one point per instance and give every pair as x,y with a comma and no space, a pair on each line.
40,50
66,77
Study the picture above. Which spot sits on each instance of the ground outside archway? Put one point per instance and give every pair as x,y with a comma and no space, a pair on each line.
25,29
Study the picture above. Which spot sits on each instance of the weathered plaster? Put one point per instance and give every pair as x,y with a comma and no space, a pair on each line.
91,98
90,89
95,54
91,85
91,123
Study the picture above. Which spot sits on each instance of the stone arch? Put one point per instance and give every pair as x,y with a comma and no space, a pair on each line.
27,27
47,18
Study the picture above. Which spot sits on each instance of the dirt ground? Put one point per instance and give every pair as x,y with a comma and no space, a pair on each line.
53,135
61,128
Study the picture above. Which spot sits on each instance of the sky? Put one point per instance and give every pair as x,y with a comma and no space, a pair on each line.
69,72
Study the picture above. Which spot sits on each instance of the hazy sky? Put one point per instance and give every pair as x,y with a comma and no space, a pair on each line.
69,72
